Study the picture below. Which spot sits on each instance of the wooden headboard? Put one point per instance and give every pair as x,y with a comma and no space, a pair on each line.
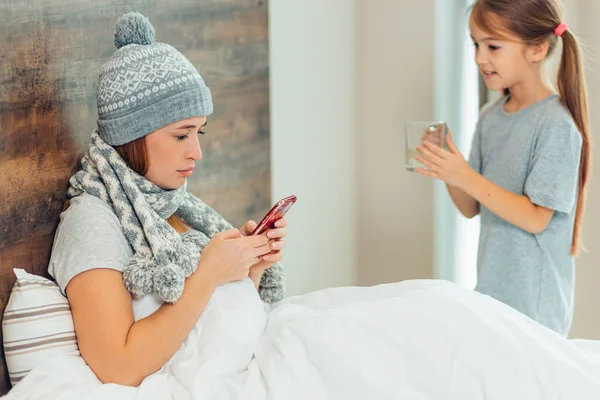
50,55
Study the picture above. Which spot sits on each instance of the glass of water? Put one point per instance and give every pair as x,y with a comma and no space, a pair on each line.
418,133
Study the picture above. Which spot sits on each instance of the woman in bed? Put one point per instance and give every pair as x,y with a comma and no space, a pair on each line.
130,226
149,311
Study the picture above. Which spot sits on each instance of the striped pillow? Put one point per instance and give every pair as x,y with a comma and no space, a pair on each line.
37,324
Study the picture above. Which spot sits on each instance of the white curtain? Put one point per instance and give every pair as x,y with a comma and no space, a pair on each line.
456,102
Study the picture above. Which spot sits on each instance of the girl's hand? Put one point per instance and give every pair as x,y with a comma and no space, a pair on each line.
433,135
448,166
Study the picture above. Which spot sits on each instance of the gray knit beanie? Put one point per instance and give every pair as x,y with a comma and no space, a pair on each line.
146,85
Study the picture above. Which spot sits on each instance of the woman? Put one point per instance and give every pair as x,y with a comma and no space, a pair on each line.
131,227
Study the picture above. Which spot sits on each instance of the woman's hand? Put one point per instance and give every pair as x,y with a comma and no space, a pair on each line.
229,255
276,243
448,166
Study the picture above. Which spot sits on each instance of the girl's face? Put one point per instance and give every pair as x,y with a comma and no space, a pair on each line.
173,151
506,62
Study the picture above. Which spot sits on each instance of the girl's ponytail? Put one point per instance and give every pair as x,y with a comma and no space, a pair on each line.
573,92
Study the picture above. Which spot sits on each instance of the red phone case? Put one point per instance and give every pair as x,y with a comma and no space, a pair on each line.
278,211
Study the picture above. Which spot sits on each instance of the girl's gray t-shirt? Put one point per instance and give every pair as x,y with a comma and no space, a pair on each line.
533,152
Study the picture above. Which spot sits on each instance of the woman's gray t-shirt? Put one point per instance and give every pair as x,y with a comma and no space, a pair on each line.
88,236
533,152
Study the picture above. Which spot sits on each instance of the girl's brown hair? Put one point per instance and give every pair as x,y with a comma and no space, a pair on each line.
135,156
534,21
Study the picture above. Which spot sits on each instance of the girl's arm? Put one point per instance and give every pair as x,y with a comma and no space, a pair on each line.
514,208
452,168
466,204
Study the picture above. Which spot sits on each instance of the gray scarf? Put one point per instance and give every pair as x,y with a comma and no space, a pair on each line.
162,257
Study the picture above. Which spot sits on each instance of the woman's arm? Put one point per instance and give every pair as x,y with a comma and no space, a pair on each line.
117,349
277,236
121,350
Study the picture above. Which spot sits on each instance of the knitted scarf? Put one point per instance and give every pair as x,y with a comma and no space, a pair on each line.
162,257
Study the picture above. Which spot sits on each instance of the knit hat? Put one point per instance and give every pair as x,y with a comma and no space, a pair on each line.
146,85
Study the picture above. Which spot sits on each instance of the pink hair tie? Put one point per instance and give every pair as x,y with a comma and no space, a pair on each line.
560,29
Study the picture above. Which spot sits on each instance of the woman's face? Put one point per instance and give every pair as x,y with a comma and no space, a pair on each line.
173,151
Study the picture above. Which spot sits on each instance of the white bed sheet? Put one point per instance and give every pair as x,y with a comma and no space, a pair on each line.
421,339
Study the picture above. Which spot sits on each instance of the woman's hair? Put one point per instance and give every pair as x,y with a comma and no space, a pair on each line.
534,21
135,156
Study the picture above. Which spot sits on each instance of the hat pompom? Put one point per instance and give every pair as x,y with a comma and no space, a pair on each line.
133,28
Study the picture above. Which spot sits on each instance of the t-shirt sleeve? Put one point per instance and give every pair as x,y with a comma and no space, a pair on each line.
553,177
88,236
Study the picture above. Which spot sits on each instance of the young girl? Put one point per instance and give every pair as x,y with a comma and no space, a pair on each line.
528,168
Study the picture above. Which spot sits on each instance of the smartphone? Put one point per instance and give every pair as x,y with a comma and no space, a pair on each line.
278,211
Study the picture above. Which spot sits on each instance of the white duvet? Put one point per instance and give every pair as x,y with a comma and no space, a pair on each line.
422,339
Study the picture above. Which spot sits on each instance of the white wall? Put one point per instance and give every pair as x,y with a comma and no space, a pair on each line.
313,137
582,18
342,86
395,85
345,77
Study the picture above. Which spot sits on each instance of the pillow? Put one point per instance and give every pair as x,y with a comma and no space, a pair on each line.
37,324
